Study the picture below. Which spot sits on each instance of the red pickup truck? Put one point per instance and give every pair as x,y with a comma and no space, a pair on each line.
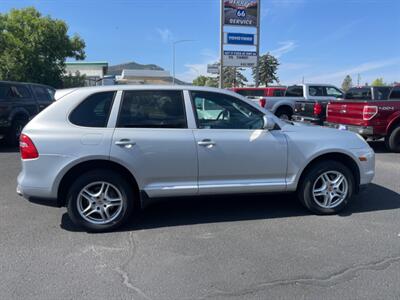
370,118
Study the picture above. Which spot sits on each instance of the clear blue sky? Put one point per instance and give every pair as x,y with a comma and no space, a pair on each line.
322,40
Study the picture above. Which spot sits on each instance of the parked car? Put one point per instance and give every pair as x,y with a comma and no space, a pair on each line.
368,113
19,102
105,151
269,91
312,107
270,98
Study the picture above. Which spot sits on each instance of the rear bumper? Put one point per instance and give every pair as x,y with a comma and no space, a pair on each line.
306,119
365,131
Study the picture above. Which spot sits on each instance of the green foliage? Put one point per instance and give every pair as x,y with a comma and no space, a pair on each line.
73,80
205,81
33,47
200,81
378,82
233,77
268,67
347,83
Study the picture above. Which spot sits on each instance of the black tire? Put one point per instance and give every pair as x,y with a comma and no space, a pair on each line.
91,177
12,137
284,113
392,141
305,190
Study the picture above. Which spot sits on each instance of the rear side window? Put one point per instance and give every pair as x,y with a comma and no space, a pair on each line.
251,93
316,91
359,94
395,93
18,92
42,93
4,91
278,93
294,91
152,109
93,111
382,93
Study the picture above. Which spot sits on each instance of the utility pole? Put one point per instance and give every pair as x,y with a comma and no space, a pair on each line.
358,79
257,83
221,55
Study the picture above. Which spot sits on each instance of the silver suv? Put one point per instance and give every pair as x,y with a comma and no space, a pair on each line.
105,151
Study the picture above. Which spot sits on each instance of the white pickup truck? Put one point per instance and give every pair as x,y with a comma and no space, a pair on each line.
283,107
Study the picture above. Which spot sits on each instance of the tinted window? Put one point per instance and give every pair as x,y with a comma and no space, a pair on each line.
358,94
152,109
251,93
93,111
382,93
18,92
294,91
220,111
278,93
333,92
316,91
4,91
395,94
42,93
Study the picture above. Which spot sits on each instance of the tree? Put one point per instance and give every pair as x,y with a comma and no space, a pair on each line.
347,83
233,77
200,80
34,48
268,66
378,82
205,81
73,80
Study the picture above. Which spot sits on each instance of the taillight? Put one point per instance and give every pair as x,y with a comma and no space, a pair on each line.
317,109
27,148
369,112
263,101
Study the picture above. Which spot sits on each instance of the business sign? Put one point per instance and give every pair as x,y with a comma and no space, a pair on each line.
240,58
240,12
240,39
213,69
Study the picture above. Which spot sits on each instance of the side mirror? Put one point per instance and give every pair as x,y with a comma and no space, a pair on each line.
269,123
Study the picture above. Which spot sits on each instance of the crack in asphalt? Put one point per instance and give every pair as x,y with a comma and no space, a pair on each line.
346,274
124,274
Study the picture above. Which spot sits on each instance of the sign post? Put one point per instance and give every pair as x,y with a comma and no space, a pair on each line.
239,14
221,54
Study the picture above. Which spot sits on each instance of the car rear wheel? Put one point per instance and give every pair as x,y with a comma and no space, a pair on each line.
284,113
327,187
392,141
12,137
100,200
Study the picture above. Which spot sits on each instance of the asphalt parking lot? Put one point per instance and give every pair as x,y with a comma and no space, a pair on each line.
214,248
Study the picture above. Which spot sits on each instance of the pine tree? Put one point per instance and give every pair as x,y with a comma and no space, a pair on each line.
268,66
347,83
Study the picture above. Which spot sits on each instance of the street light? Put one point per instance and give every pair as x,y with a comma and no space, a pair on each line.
173,56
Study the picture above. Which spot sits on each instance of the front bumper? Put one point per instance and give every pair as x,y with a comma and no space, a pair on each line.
365,131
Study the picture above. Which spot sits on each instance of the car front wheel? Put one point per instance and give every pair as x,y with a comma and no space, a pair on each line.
327,187
100,200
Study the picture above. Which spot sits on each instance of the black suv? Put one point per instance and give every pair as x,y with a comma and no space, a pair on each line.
20,102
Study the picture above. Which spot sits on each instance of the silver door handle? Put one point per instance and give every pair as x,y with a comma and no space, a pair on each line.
125,143
206,143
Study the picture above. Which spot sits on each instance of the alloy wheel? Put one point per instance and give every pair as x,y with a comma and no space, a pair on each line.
100,202
330,189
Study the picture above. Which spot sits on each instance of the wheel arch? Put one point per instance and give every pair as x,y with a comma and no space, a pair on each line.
345,159
81,167
19,114
395,122
282,106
